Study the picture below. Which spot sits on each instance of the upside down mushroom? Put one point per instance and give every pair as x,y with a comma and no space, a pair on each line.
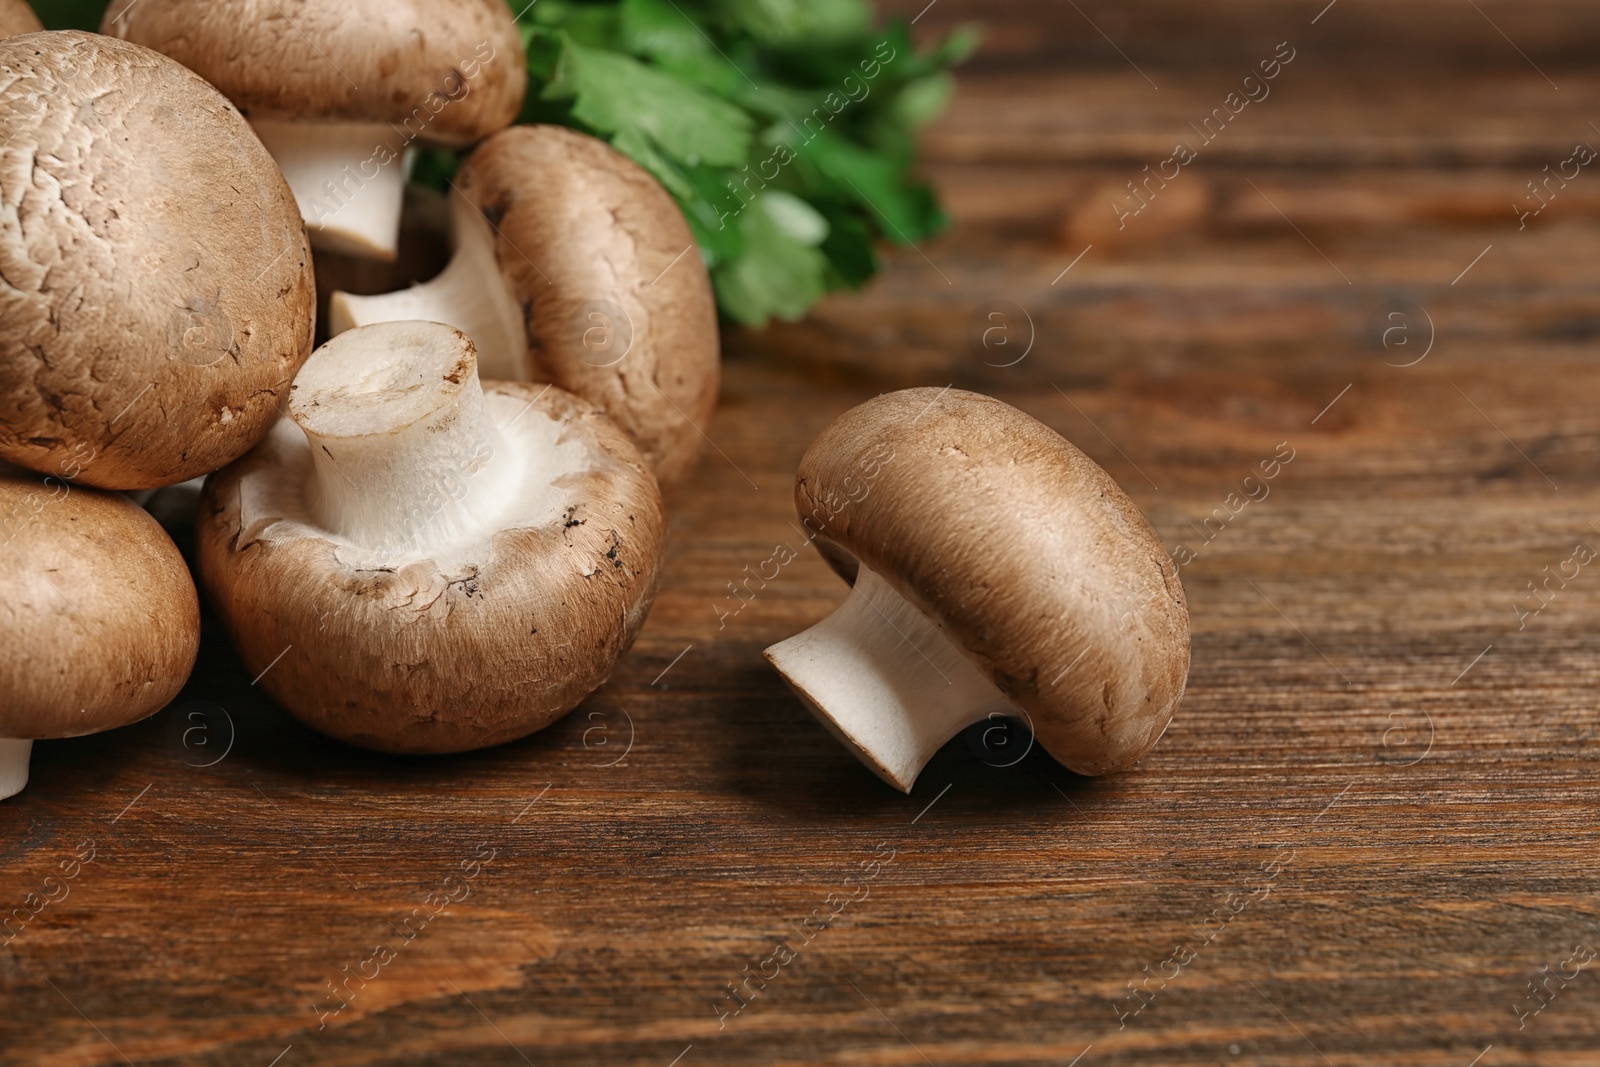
156,295
419,563
100,618
996,570
573,265
342,91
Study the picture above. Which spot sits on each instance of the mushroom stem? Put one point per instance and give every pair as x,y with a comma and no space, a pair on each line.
405,454
348,178
470,294
885,680
14,755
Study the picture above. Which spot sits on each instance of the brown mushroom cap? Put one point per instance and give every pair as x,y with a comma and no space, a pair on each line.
100,618
1032,561
346,60
156,294
16,17
589,241
424,655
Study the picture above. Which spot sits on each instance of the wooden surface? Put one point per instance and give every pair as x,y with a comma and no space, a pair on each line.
1370,828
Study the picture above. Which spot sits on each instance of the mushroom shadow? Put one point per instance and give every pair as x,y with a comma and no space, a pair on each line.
777,754
223,721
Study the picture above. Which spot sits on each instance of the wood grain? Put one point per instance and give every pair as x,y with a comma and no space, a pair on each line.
1371,826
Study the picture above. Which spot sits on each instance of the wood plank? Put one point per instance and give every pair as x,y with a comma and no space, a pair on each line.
1318,114
1364,34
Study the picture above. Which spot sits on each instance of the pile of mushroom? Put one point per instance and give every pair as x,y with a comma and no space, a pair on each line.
410,559
996,570
156,300
408,556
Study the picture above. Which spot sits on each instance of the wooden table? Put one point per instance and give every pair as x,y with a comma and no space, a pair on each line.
1370,828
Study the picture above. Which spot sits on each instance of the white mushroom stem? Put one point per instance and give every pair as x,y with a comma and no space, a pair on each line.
14,755
406,458
470,294
885,679
349,179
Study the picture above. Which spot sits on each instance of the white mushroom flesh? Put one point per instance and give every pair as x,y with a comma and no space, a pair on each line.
396,454
885,679
346,178
470,294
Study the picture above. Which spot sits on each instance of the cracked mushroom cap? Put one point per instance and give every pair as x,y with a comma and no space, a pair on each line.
1026,554
379,61
16,18
156,295
466,601
616,300
100,618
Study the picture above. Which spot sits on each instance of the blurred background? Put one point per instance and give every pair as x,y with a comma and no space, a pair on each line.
1396,146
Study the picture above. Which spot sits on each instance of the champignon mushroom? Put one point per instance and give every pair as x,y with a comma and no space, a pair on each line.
427,565
17,18
996,570
156,295
100,618
341,91
574,266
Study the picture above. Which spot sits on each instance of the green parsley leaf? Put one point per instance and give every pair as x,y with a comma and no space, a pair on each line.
778,21
778,274
612,93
